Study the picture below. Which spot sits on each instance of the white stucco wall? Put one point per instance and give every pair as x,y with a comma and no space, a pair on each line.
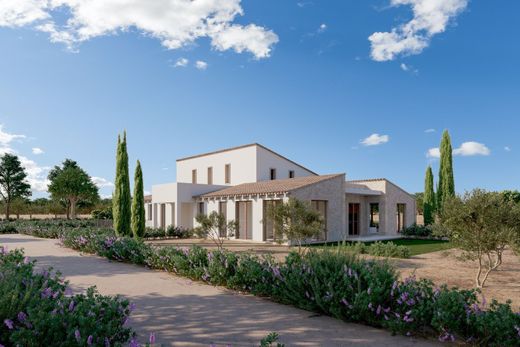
267,160
243,167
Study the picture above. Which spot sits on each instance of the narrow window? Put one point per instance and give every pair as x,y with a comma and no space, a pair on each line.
401,211
291,173
228,174
200,208
194,176
149,211
374,215
273,174
210,175
320,206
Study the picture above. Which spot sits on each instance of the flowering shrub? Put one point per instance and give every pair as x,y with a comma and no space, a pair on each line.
46,228
36,311
330,282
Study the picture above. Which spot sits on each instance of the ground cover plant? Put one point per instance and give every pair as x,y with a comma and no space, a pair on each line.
331,282
35,309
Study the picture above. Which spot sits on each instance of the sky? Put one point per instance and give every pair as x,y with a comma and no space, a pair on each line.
364,87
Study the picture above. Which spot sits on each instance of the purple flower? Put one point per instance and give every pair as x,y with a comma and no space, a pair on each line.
26,260
133,342
152,338
517,330
369,290
132,306
77,335
446,337
378,311
71,306
47,292
107,342
9,324
22,316
89,340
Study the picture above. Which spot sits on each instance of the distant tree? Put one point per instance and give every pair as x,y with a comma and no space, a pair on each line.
210,226
429,198
295,221
446,188
13,181
121,201
419,198
138,215
512,195
72,184
482,224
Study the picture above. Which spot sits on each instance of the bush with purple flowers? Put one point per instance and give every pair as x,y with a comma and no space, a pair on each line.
35,309
335,283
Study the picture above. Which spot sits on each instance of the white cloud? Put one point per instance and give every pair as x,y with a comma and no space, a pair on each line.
101,182
404,67
36,175
201,65
429,18
467,149
322,28
37,150
434,153
181,62
472,148
429,131
175,23
507,149
375,139
6,138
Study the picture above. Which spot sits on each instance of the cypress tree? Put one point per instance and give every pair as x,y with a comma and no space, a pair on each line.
429,198
122,199
138,222
446,188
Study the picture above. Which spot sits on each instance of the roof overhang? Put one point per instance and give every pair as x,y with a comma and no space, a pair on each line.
362,191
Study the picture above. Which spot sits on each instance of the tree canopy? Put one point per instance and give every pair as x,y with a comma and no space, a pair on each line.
446,189
72,184
121,202
429,198
482,224
138,214
13,181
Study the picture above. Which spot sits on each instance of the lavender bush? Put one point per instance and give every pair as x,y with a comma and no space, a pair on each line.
36,310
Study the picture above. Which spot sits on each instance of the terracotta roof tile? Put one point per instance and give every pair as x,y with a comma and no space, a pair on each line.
269,187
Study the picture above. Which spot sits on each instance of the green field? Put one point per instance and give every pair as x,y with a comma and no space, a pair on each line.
423,246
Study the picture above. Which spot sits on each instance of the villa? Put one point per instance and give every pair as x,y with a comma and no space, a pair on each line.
242,182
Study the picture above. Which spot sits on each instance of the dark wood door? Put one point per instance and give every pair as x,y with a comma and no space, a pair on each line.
353,219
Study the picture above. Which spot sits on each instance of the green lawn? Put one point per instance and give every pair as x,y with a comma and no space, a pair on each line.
416,246
423,246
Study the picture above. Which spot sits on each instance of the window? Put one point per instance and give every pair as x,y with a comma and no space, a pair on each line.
194,176
401,211
210,175
321,207
149,211
273,174
200,208
291,173
374,215
228,174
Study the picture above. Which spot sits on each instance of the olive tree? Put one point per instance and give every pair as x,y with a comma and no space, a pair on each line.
482,224
215,227
295,221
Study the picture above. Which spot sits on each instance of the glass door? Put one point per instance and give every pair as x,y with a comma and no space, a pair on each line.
353,219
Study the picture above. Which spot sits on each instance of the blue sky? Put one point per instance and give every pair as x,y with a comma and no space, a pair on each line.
301,77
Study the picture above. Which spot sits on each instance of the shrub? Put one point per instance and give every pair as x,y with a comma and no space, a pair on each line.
418,231
378,249
35,311
331,282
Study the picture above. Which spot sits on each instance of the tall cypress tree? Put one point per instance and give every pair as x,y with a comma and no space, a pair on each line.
446,188
429,198
138,222
122,200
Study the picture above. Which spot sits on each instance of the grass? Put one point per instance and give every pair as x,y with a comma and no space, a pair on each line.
416,246
423,246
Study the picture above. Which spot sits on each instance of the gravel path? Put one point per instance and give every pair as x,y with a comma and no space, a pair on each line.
186,313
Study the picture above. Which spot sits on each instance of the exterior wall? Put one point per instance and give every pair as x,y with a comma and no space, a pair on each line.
395,195
267,160
332,191
243,167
